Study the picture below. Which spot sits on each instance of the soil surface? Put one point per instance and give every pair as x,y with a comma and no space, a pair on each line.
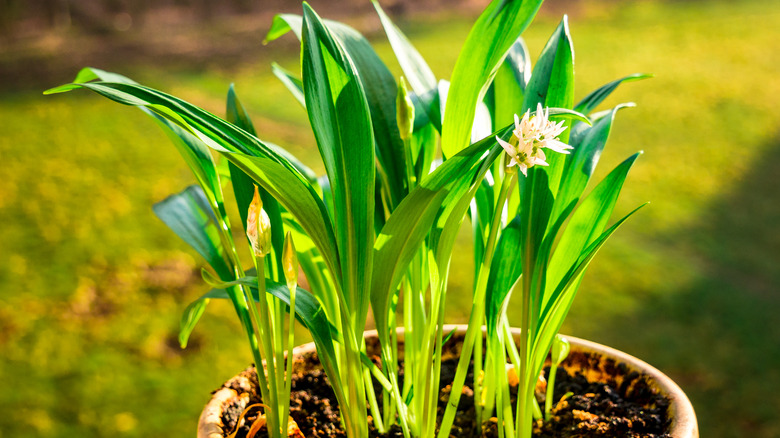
607,400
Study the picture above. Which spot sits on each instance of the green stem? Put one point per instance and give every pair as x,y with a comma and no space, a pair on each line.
355,416
550,391
477,311
372,402
290,346
266,344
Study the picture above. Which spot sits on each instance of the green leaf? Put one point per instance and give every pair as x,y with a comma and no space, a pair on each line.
416,70
189,216
504,272
307,310
190,318
552,85
281,25
339,116
290,81
510,82
494,33
588,145
587,222
270,169
243,185
243,188
592,100
411,222
557,305
380,91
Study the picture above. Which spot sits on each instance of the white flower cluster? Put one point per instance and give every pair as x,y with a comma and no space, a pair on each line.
531,135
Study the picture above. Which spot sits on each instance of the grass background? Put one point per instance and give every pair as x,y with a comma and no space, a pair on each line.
92,284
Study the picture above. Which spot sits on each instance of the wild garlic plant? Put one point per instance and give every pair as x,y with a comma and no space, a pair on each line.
377,231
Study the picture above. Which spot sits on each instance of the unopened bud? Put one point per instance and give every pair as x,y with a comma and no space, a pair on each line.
258,227
404,111
560,349
290,262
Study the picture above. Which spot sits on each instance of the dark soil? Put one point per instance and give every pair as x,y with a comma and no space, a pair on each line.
620,404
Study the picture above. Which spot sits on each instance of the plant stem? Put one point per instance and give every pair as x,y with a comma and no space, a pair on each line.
266,345
550,391
477,312
290,346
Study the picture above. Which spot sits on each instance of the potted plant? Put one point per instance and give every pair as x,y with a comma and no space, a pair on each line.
377,232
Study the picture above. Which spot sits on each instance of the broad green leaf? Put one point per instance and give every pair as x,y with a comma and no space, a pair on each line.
592,100
380,91
510,82
504,272
189,215
487,44
271,170
535,208
587,222
195,153
339,116
243,188
552,85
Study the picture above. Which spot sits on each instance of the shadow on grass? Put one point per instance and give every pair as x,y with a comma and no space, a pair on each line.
718,337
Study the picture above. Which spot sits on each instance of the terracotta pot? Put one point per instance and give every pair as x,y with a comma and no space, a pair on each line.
601,361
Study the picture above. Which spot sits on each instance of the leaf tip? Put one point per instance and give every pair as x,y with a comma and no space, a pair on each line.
60,89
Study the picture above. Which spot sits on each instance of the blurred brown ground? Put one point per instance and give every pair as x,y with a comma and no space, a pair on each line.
44,42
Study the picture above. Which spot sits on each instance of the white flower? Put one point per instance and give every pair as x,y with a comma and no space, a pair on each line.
525,156
530,136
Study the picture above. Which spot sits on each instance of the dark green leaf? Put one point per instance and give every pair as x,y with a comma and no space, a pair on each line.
189,216
243,188
380,91
339,116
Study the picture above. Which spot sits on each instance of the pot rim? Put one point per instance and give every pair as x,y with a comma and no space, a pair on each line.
684,424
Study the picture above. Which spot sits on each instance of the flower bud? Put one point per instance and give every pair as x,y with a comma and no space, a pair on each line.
404,111
258,227
560,349
290,262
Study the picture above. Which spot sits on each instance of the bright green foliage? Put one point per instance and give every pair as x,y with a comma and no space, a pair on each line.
377,231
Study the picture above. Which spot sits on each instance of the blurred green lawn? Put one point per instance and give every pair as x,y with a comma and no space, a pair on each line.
93,284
